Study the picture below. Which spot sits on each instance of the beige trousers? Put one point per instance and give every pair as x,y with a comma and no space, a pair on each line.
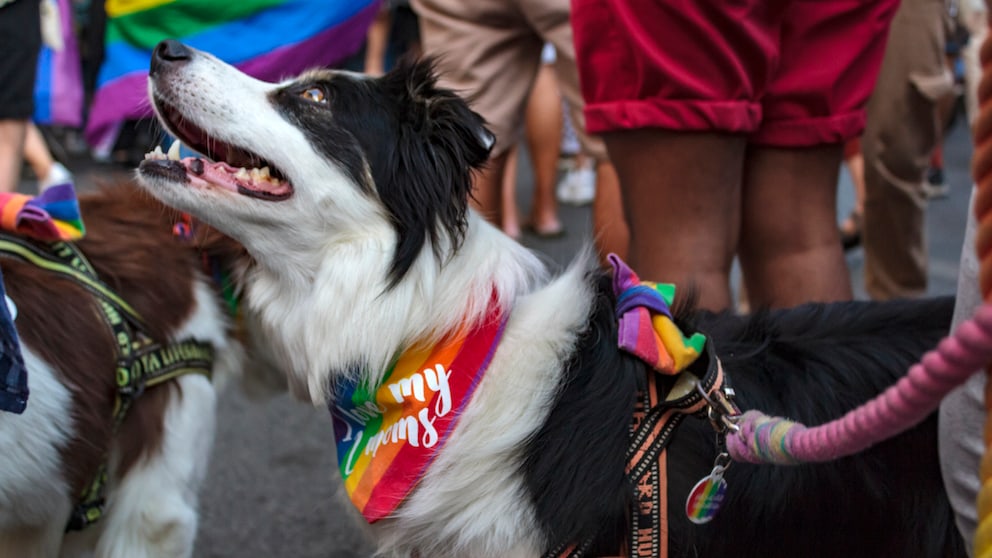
900,134
490,51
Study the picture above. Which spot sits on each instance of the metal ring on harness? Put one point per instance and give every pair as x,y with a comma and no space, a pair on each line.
722,413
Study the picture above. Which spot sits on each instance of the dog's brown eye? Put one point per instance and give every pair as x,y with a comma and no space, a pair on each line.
313,94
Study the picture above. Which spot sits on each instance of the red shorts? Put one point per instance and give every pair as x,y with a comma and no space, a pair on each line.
790,73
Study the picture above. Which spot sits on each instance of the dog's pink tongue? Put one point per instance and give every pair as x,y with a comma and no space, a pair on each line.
237,180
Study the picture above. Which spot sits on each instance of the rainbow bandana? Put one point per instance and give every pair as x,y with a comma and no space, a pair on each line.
387,435
51,216
646,328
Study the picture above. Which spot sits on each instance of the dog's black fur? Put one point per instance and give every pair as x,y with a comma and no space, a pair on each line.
423,173
812,364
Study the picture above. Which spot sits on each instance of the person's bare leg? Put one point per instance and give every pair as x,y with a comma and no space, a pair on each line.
543,132
487,192
36,152
681,195
376,42
510,220
854,160
856,167
610,231
12,134
790,248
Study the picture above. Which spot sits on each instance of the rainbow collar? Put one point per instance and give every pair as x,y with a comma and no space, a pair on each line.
388,434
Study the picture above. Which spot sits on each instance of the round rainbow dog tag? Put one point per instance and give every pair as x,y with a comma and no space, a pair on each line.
706,497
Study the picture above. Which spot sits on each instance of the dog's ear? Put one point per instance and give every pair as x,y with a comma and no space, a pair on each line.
440,113
440,143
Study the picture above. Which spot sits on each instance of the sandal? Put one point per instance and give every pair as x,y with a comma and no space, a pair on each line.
549,233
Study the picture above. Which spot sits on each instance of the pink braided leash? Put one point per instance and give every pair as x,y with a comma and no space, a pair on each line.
765,439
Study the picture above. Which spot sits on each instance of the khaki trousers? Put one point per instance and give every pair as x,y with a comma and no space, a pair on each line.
489,51
900,134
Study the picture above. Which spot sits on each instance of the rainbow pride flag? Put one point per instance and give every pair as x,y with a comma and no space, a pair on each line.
58,87
387,435
268,39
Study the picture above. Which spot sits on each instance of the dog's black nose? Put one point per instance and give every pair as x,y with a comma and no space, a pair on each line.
170,51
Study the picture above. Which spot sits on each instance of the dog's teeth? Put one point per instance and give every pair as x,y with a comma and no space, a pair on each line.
174,150
254,174
155,154
242,173
263,173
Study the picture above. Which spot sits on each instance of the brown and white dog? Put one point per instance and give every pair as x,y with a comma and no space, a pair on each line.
158,457
355,214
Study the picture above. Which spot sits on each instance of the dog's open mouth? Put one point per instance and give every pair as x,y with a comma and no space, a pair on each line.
226,166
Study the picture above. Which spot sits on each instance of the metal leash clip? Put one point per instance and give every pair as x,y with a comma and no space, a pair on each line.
721,411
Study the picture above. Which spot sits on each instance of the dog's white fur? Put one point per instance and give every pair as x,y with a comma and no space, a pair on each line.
33,493
321,288
152,512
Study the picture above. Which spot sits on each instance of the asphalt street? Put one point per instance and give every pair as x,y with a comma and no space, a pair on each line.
273,490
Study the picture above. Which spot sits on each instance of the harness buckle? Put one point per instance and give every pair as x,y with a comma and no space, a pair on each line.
131,392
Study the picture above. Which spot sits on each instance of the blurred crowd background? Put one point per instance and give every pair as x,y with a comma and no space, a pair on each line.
90,107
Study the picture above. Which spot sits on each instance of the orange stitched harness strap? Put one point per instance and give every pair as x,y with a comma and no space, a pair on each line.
647,472
656,417
648,456
569,550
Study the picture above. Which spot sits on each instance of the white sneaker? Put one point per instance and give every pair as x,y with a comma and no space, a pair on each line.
58,174
577,186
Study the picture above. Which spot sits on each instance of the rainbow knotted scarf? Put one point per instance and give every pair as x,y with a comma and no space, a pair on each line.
387,435
50,216
646,328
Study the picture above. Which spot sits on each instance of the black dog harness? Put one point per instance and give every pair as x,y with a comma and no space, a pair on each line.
141,361
657,414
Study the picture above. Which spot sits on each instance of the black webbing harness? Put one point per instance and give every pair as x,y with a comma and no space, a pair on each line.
657,415
141,361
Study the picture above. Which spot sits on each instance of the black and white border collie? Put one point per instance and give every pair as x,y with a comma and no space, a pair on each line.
355,212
